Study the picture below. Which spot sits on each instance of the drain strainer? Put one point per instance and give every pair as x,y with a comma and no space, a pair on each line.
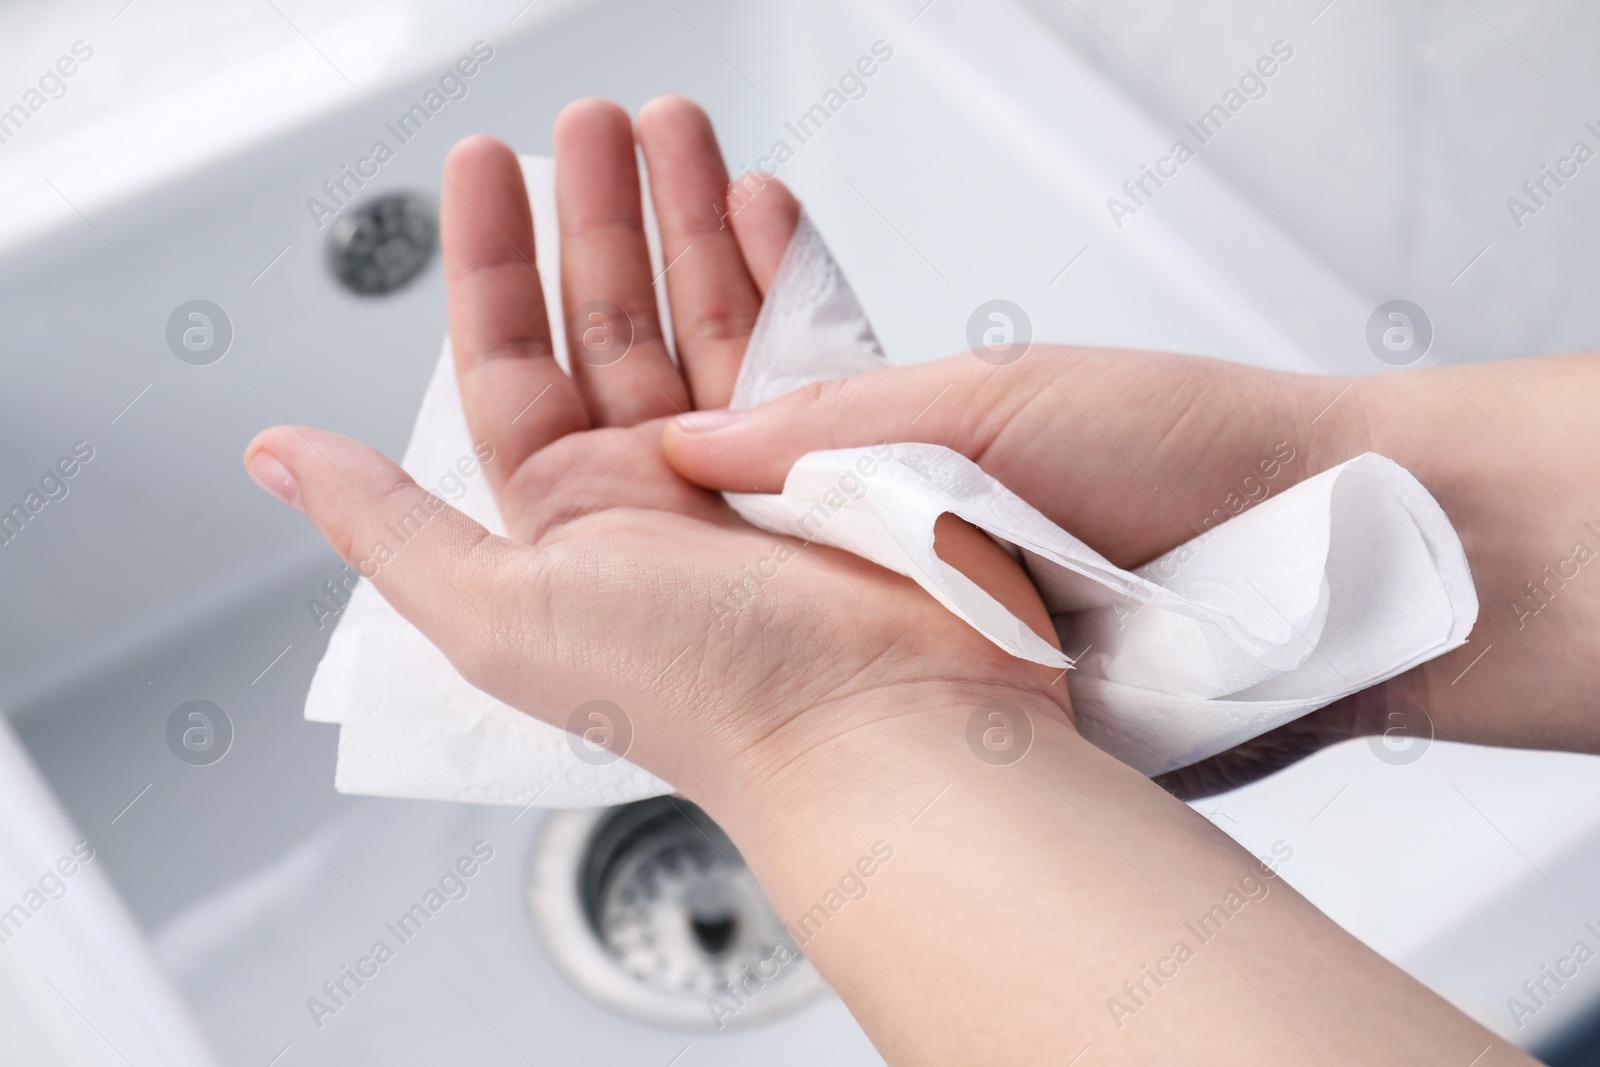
650,910
383,244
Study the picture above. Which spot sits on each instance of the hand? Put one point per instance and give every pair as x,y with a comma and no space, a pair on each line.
620,580
1137,452
821,711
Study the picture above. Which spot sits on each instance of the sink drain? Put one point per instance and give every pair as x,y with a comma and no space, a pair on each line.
381,245
650,910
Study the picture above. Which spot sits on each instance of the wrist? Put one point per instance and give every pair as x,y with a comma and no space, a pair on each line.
1339,416
885,750
1503,448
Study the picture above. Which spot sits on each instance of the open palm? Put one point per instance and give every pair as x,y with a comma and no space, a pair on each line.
620,580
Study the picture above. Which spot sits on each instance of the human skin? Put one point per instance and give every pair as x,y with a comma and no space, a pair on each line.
1158,443
830,712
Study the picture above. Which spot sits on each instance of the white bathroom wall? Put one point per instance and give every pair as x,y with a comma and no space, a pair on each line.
1392,141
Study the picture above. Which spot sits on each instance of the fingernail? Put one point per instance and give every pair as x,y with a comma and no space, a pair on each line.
709,421
265,470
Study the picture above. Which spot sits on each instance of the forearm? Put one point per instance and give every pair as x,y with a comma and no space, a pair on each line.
1511,451
1148,932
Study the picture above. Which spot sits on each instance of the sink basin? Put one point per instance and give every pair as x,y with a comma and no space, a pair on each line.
973,165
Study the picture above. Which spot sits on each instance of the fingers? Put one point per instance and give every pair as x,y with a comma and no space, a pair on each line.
713,298
516,397
951,402
438,568
620,363
763,214
977,555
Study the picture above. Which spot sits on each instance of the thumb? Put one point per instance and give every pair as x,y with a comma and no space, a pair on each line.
959,402
437,567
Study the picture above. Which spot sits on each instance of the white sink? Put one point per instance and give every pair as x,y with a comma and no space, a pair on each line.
975,166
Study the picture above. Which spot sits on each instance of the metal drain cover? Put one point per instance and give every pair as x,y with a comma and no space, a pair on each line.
382,245
650,910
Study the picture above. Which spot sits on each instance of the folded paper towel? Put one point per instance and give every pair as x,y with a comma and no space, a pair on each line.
1349,578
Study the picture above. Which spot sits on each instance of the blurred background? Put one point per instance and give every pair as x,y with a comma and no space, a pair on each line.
1397,151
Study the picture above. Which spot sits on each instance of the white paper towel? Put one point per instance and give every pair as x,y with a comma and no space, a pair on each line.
1349,578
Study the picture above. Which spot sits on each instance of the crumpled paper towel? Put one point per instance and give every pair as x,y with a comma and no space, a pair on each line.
1342,581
